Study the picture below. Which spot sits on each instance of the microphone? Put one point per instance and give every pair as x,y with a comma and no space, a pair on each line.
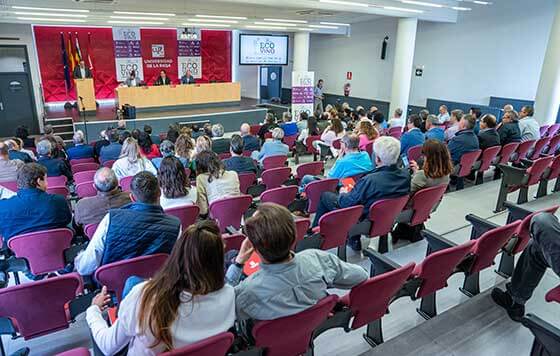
81,98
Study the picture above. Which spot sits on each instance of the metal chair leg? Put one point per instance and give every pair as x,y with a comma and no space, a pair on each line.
502,196
505,269
374,333
428,306
383,244
523,195
543,189
341,252
471,286
460,183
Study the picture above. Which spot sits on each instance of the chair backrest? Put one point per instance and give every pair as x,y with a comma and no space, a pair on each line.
233,242
229,211
38,308
89,230
10,185
281,195
467,162
274,162
114,275
314,190
438,266
186,213
255,129
43,250
414,153
291,335
553,129
302,225
224,155
536,171
539,147
336,144
544,130
275,177
86,189
268,135
246,180
309,144
383,214
507,151
57,181
423,201
290,140
85,176
396,134
336,224
490,243
487,157
523,233
216,345
384,287
553,295
369,148
310,168
554,168
125,182
82,167
58,190
109,163
522,149
553,144
76,161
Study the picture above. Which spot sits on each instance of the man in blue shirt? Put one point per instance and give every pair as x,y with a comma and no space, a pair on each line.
290,127
464,140
432,131
250,142
80,149
272,148
55,166
414,136
112,151
238,162
318,96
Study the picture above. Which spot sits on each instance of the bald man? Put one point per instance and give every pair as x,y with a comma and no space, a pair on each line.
250,142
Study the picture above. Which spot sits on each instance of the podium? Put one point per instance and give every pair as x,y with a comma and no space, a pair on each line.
85,89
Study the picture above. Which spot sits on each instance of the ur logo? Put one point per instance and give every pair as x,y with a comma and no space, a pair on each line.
158,51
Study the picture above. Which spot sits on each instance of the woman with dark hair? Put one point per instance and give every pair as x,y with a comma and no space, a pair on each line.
147,148
172,133
436,169
213,182
334,131
23,133
174,184
186,301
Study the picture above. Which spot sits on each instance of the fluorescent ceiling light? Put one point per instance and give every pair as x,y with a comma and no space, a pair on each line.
347,3
210,20
48,14
459,8
481,2
190,24
306,29
421,3
49,19
47,9
265,27
222,17
323,26
275,24
334,23
142,13
404,9
285,20
135,22
140,18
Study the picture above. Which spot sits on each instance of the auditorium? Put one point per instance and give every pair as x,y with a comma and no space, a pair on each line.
294,178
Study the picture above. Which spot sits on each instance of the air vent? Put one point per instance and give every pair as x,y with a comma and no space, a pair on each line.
105,2
9,38
313,12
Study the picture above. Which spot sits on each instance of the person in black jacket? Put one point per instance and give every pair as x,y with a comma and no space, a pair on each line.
163,79
488,136
509,128
238,162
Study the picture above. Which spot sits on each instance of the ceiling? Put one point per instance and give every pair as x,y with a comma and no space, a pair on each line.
253,12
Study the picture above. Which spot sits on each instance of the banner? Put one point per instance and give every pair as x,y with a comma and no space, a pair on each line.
128,54
302,93
189,54
159,52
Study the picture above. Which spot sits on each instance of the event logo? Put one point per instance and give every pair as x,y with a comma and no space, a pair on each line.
264,47
129,35
158,51
126,68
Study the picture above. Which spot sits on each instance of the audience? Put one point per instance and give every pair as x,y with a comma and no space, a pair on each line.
311,130
101,142
302,121
184,148
414,136
147,148
124,134
508,129
131,161
423,117
213,182
363,115
8,167
507,107
91,210
332,132
465,140
379,120
488,135
55,166
477,114
250,142
219,143
112,151
49,133
433,131
287,283
23,133
273,147
155,138
203,143
167,149
237,162
397,120
172,133
80,149
290,127
137,229
269,124
367,133
443,115
14,152
456,116
436,168
20,148
175,185
529,127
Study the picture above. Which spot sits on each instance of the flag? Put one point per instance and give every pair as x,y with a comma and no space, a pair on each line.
78,51
70,52
65,65
89,60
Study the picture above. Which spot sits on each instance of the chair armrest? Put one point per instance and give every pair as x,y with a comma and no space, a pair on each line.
512,175
479,225
380,263
516,212
435,241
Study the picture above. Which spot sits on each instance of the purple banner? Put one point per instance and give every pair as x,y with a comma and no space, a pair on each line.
188,48
302,95
127,49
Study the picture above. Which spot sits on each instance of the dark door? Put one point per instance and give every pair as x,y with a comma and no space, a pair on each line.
271,82
16,104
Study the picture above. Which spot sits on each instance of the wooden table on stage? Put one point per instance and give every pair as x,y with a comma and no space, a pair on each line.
178,95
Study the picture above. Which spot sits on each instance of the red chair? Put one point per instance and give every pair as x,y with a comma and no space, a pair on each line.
466,165
281,195
268,135
10,186
311,168
314,190
233,242
255,129
224,155
396,132
80,351
551,172
86,176
506,152
187,214
125,182
487,157
86,189
302,225
274,162
275,177
522,150
58,181
89,230
296,330
369,148
217,345
547,336
74,162
422,204
553,130
309,145
82,167
382,216
114,275
109,163
539,147
229,211
552,145
290,141
336,144
414,153
246,180
58,190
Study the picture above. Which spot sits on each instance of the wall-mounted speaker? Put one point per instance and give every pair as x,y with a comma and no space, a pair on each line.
384,47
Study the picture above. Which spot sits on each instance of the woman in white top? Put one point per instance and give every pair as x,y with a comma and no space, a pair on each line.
174,183
332,132
213,182
185,302
131,161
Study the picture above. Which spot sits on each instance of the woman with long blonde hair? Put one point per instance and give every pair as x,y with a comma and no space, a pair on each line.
131,161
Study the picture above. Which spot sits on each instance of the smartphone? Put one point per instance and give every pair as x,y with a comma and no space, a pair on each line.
405,161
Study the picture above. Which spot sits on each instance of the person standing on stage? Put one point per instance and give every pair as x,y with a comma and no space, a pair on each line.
133,80
81,71
163,79
188,78
318,94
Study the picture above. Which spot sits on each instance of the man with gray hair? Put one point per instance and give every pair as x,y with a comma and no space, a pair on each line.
250,142
433,131
109,196
386,181
219,143
55,166
14,151
273,147
80,149
397,119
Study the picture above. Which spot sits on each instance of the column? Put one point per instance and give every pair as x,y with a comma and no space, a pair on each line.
402,68
301,51
547,100
235,56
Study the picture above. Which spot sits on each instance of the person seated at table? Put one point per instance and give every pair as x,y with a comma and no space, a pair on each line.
273,147
148,149
55,166
14,151
386,181
91,210
432,130
167,149
80,149
456,116
175,185
137,229
186,301
213,181
162,79
465,140
133,80
488,136
508,129
220,144
250,142
237,162
287,282
112,151
188,78
290,127
32,209
414,136
131,161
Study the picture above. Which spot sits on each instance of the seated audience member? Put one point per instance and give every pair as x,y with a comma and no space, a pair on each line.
508,107
488,136
465,139
414,136
456,116
112,151
302,121
290,127
443,115
123,135
147,148
137,229
287,282
213,182
185,149
80,149
397,119
367,133
311,130
237,162
220,144
543,252
363,115
508,129
530,128
269,124
20,148
32,209
379,121
55,166
8,167
101,142
436,168
185,302
155,138
14,152
172,133
175,185
477,114
135,134
250,142
386,181
273,147
423,117
91,210
23,133
332,132
131,161
434,132
49,133
167,149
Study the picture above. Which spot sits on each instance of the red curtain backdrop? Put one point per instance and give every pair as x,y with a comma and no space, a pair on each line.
216,56
152,41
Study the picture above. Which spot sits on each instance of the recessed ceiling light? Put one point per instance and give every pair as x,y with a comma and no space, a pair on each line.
481,2
306,29
265,27
192,24
334,23
275,24
222,17
215,20
404,9
151,18
323,26
142,13
285,20
348,3
421,3
135,22
47,9
49,19
459,8
48,14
